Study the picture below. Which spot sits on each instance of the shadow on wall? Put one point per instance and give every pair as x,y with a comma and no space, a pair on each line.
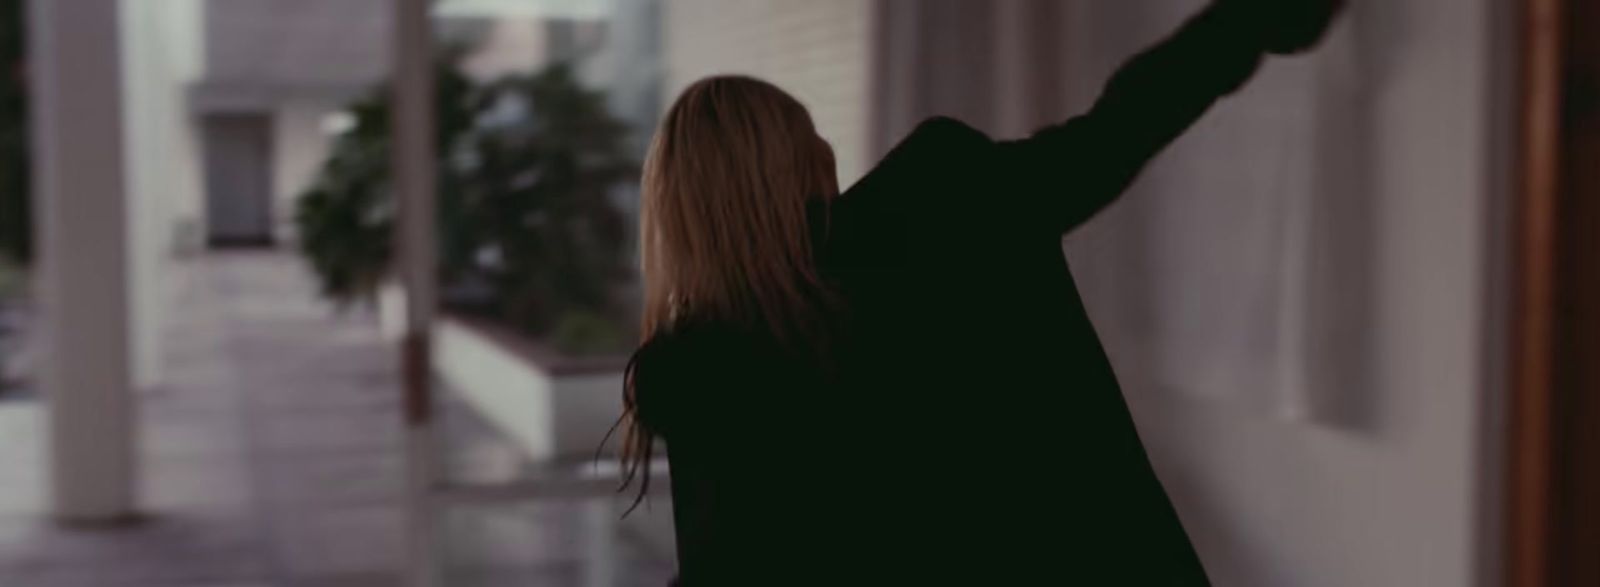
1341,343
1315,360
1342,347
1018,66
1266,499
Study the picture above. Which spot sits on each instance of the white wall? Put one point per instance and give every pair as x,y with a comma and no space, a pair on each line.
511,46
299,145
186,203
818,50
144,90
1341,446
159,56
1296,296
184,41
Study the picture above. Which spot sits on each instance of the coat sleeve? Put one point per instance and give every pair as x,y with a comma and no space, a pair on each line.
1069,171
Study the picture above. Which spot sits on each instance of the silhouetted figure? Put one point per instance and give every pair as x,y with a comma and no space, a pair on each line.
898,385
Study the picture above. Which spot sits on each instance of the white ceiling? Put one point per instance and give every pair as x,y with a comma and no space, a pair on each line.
297,43
575,9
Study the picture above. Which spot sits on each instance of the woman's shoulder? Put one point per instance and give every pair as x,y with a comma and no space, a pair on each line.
937,145
927,183
942,156
946,130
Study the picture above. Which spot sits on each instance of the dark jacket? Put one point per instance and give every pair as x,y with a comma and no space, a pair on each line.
968,428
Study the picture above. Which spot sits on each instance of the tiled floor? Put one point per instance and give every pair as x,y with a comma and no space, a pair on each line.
271,458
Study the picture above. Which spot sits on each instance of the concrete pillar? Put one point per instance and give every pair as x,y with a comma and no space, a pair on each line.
86,373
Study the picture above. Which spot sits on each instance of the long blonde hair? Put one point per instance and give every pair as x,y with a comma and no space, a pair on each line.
725,231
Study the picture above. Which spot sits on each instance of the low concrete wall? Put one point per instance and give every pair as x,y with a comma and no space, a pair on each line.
549,415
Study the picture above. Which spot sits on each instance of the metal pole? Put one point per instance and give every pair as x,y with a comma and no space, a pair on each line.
413,173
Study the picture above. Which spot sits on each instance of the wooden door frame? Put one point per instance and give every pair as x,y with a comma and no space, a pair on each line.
1552,472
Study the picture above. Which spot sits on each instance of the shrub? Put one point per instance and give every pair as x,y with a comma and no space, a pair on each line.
530,232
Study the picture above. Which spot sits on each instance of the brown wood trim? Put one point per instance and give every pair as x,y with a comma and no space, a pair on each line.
1553,473
1538,163
1528,524
1576,463
416,377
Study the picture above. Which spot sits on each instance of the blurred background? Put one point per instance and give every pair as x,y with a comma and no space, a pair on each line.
1307,298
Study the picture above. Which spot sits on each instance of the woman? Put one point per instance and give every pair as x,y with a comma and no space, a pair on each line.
898,384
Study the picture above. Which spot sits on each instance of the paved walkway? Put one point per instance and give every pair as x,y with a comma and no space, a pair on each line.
271,458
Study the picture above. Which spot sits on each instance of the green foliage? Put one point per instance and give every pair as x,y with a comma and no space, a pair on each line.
13,280
582,332
529,232
15,211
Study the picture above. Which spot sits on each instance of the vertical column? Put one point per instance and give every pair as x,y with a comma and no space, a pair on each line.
83,220
413,168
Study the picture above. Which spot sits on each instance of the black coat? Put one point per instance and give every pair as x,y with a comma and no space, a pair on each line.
969,429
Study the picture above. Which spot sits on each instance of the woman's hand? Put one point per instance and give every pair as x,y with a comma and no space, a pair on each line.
1289,26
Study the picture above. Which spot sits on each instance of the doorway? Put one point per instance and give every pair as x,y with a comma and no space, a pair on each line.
238,180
